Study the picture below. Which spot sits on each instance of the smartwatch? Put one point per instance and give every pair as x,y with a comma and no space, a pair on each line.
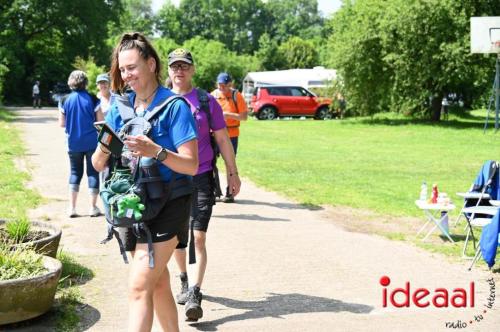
161,155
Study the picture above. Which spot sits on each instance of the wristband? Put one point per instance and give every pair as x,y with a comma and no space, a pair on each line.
100,147
235,173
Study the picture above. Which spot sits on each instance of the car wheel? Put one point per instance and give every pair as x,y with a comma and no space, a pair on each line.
267,113
323,113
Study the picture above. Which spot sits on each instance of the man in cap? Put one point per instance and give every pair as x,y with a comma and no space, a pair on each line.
235,110
210,121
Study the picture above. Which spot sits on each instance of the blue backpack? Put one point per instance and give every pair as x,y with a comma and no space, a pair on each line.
133,193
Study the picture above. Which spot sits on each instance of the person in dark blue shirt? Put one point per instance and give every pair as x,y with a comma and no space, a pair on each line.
173,143
77,115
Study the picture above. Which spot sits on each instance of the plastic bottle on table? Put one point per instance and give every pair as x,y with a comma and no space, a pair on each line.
423,192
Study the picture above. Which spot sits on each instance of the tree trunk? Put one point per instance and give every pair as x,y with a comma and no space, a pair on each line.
435,109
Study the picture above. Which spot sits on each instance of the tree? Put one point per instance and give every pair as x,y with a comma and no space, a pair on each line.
268,54
238,24
397,55
44,38
136,15
298,53
169,23
211,57
290,18
356,53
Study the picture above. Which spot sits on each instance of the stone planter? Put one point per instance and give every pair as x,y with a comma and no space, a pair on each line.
22,299
46,246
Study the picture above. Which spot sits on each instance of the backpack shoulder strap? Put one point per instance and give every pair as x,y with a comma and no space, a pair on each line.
157,109
235,99
204,105
124,108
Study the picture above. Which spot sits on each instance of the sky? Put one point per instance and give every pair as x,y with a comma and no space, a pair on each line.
325,6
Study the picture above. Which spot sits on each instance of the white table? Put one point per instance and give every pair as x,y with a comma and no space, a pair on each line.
433,214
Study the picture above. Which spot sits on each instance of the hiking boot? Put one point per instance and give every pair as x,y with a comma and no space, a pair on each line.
183,295
94,211
228,199
193,304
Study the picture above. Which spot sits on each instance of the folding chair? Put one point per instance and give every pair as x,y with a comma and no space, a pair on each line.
489,242
477,216
484,188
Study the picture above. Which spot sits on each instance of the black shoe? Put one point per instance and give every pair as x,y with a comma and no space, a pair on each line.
183,295
193,304
228,199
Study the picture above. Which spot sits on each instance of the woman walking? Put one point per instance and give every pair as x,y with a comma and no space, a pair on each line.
136,65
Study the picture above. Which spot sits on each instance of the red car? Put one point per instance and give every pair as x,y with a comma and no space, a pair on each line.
270,102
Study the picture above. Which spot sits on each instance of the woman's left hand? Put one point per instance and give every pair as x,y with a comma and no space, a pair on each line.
142,146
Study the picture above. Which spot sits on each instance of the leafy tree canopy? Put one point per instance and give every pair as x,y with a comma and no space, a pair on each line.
405,55
45,36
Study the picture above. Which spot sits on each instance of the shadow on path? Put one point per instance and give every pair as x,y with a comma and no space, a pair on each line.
34,119
277,305
287,206
249,217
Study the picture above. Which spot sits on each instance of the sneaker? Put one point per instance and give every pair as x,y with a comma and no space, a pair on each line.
193,304
228,199
94,211
72,212
183,295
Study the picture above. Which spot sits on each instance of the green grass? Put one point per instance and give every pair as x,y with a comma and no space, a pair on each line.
73,273
375,163
19,264
69,297
16,198
18,229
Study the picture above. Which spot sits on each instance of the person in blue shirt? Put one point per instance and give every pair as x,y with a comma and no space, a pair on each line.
173,143
77,115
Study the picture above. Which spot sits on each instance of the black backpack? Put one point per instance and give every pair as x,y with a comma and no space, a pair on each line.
205,107
133,195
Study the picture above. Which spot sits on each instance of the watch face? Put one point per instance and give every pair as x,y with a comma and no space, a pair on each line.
162,155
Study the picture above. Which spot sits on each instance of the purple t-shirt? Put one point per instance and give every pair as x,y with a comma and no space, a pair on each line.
205,152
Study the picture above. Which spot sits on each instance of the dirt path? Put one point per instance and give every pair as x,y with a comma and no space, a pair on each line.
273,265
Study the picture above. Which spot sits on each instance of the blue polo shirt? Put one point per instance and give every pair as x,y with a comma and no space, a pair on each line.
171,128
79,110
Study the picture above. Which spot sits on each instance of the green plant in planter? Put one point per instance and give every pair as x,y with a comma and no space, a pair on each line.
18,229
20,263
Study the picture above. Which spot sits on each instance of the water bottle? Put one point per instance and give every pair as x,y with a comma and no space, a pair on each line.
151,177
423,192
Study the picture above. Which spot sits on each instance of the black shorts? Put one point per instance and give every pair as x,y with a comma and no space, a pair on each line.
173,220
203,201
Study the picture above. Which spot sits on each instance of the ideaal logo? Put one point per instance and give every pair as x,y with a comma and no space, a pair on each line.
439,298
423,297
